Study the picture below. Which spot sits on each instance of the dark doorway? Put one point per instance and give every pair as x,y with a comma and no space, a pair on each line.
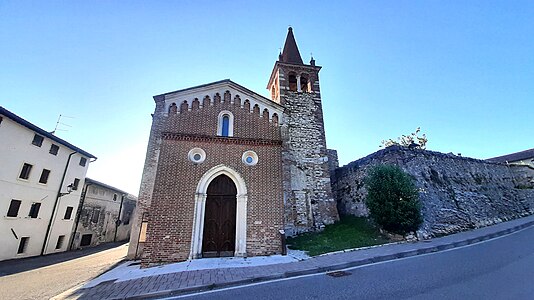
86,240
219,220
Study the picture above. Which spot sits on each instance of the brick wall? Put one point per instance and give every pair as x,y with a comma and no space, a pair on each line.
175,181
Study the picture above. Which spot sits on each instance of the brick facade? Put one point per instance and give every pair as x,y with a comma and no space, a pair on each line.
288,188
171,211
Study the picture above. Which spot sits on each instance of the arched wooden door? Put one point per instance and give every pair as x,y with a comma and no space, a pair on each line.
219,219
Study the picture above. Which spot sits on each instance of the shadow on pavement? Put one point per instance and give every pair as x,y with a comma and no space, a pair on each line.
14,266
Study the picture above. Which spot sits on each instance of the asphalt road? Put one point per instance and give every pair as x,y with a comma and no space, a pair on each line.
502,268
47,276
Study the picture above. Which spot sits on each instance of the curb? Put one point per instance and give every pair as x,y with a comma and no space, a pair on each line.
336,267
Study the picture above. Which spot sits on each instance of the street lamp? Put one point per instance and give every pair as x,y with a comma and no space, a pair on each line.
69,190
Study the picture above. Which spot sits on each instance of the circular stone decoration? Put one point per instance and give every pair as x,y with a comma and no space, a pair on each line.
197,155
250,158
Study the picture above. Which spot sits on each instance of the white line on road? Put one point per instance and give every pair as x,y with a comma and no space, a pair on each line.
347,269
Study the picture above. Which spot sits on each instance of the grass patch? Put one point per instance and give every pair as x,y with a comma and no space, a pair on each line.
349,232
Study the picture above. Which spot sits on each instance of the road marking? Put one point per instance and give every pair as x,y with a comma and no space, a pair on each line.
346,269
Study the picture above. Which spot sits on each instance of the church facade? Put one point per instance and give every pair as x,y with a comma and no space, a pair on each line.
228,172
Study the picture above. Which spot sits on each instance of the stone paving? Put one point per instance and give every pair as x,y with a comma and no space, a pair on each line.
189,281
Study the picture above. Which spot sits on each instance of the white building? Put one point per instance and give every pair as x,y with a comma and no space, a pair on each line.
525,158
104,215
41,178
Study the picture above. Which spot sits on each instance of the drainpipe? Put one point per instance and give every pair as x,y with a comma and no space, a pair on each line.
79,214
55,204
118,222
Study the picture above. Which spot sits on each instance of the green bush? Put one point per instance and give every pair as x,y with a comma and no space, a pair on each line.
393,199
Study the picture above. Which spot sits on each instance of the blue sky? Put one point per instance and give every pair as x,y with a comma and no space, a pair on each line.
461,70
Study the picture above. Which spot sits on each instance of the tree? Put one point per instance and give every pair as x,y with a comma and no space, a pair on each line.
393,199
413,140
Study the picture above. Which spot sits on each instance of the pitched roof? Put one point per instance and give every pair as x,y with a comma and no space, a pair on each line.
43,132
514,156
95,182
291,53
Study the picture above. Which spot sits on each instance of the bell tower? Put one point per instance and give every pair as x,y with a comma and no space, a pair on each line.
308,200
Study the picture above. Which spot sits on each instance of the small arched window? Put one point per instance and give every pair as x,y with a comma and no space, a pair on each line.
225,124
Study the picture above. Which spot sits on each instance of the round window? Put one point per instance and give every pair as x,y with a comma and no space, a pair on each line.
250,158
196,155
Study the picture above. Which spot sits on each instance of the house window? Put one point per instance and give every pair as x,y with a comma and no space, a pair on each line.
37,140
126,219
225,124
14,206
44,176
96,215
114,197
68,213
23,244
34,210
75,184
53,149
60,240
25,173
83,161
86,240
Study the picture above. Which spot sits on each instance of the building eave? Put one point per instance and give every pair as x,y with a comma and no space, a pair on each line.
228,82
43,132
517,156
96,182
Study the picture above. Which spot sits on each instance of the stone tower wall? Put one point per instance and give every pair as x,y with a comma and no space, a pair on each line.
309,203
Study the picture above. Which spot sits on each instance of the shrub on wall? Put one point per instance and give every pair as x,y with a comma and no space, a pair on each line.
393,199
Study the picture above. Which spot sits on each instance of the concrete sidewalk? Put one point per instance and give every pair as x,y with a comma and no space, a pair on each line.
187,281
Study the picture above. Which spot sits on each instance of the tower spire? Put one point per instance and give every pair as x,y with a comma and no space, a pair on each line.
291,53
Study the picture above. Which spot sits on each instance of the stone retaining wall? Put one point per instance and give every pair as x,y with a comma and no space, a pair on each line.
457,193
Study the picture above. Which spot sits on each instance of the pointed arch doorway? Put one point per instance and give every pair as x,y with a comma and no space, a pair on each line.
201,206
218,238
